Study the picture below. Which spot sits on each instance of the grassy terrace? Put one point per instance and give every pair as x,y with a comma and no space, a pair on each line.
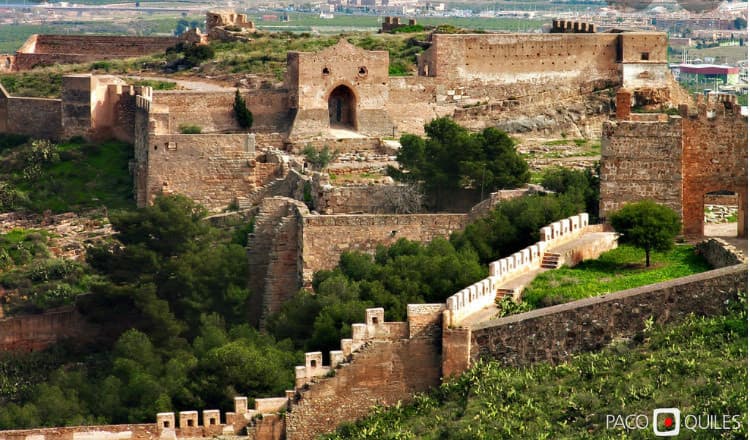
618,269
698,366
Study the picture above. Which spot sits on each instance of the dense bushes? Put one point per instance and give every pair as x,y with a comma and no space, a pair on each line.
176,286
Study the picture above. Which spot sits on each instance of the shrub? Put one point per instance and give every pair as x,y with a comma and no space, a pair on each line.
319,159
190,129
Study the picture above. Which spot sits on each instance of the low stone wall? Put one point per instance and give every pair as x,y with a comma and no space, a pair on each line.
719,253
553,334
37,117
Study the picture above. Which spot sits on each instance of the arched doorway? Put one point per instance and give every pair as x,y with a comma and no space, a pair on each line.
342,107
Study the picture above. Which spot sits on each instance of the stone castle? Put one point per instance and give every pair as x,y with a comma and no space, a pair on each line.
480,80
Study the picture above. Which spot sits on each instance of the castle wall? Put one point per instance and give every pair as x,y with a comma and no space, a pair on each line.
641,160
714,158
212,169
38,117
45,50
324,238
213,111
385,372
553,334
146,431
37,332
511,58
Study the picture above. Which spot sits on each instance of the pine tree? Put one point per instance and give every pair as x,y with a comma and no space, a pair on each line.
243,115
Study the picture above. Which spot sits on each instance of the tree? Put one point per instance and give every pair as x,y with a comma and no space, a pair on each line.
452,157
241,113
647,225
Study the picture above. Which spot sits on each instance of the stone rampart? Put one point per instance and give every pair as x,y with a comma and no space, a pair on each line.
677,161
553,334
213,111
641,160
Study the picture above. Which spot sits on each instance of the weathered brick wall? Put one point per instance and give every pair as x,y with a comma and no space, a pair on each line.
641,160
45,50
37,332
555,333
324,238
714,158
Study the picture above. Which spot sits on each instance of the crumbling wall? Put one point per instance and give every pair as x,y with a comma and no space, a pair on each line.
212,169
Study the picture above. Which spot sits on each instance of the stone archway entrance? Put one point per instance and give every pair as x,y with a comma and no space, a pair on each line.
342,107
724,214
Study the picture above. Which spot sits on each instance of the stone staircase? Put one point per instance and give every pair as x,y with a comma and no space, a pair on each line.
551,260
504,292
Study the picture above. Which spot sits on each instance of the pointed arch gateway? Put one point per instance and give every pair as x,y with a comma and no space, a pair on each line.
342,108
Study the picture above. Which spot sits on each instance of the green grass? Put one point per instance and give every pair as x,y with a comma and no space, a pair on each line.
619,269
698,366
45,84
86,176
156,84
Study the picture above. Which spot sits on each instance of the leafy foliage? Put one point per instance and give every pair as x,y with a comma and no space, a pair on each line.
581,185
698,366
648,225
405,273
514,224
452,157
241,113
70,176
